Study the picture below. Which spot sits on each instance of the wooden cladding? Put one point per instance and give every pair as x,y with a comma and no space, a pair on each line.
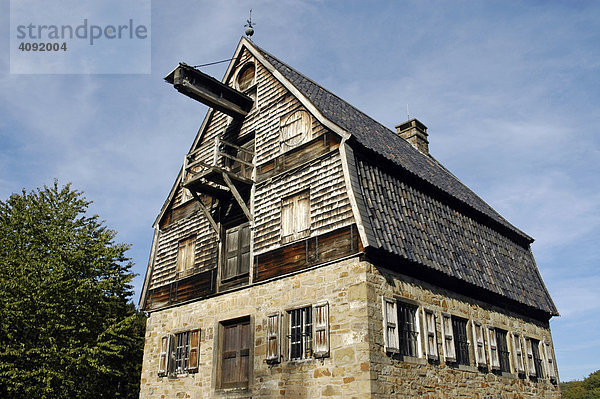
298,156
196,286
300,255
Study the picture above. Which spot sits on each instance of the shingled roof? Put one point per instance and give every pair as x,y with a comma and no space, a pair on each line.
470,242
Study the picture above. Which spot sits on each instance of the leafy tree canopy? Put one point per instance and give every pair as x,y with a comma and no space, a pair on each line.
67,328
589,388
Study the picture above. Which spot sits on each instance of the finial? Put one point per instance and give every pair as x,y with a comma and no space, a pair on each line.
249,29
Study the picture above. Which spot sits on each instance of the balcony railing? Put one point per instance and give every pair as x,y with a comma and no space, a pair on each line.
226,157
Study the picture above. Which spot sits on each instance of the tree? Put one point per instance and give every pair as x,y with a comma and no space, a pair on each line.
67,328
589,388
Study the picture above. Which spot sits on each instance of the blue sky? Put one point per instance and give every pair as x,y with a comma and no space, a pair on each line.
510,92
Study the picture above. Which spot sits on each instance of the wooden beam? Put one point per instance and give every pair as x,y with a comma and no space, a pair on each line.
207,213
237,196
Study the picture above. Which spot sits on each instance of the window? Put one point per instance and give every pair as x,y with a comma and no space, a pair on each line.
518,353
295,130
503,353
235,354
186,255
407,330
448,336
461,343
237,252
480,358
401,329
245,77
295,217
179,353
431,345
300,333
534,362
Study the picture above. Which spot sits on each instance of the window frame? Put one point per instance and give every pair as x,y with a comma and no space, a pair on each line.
186,255
292,221
304,137
465,359
503,348
240,252
170,355
304,338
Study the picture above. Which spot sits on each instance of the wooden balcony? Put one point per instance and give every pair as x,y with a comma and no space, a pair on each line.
228,172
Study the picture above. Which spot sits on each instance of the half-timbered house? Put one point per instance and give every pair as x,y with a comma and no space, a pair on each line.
307,251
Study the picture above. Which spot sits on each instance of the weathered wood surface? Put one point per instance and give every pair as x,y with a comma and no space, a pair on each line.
311,251
195,286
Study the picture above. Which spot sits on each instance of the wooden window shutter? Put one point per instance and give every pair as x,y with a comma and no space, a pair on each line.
166,355
518,351
390,325
194,350
287,218
302,215
295,129
431,336
321,329
186,254
235,355
244,249
550,371
230,266
530,359
493,348
480,357
273,338
448,335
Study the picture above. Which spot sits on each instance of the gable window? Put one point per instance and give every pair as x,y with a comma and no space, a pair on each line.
295,129
179,353
295,217
186,255
300,333
431,346
236,252
461,343
245,77
518,353
235,354
503,353
480,358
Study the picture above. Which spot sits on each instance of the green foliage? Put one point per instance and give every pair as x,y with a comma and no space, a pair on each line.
66,327
589,388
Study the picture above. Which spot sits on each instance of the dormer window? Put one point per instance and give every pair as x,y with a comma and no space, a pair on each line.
296,129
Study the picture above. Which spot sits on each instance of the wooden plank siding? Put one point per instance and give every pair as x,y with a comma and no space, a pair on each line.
329,203
166,256
306,253
314,165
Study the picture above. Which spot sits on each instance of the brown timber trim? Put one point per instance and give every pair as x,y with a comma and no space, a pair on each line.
196,286
297,156
303,254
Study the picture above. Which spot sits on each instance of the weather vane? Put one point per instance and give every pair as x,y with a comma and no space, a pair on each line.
249,29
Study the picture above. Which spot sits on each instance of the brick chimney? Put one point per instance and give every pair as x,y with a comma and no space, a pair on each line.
415,133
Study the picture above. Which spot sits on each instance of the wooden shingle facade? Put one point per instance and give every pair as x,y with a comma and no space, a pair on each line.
305,250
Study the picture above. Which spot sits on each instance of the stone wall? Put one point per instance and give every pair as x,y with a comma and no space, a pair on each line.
358,366
345,373
418,377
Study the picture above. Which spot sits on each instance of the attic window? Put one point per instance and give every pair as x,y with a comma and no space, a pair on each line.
295,129
245,77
